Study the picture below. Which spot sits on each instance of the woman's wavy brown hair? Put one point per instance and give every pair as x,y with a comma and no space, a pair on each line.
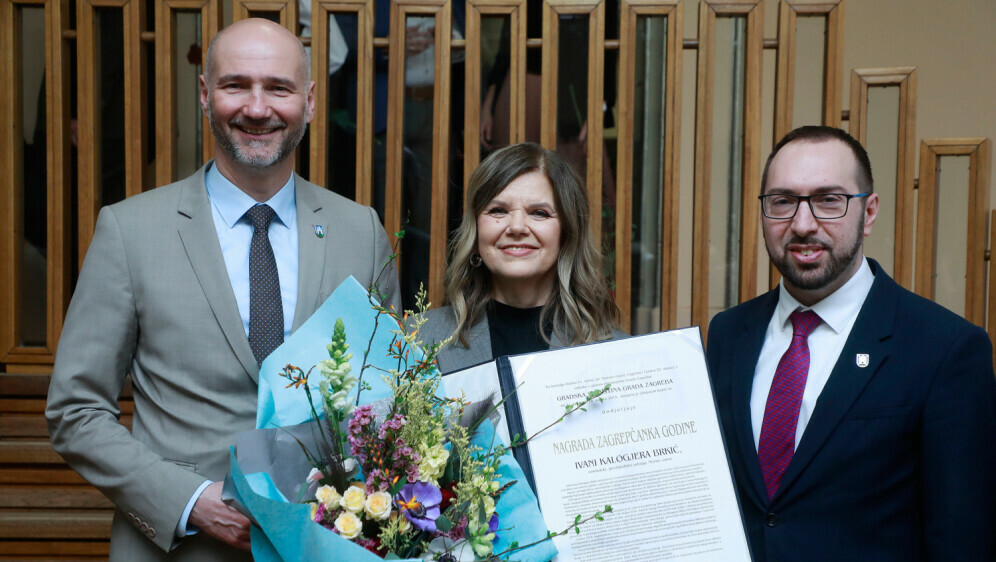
580,306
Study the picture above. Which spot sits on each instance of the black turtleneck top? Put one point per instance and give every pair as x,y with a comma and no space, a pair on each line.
516,330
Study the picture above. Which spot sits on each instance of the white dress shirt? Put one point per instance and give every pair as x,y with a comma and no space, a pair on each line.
838,312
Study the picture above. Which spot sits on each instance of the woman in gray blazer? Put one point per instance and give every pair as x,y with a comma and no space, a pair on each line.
525,272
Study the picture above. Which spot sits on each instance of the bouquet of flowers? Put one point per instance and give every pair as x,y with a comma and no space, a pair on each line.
413,475
410,479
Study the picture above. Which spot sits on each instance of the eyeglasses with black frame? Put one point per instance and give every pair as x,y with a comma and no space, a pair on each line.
784,206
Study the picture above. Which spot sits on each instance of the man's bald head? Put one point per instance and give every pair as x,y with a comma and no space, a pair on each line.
258,97
255,29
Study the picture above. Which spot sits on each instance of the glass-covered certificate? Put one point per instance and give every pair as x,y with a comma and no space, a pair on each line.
652,448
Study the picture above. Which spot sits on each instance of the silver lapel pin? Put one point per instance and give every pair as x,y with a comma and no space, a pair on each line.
862,360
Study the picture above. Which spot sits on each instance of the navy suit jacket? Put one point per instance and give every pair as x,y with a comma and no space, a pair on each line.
897,461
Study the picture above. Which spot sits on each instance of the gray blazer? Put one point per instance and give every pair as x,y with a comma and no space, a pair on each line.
440,324
154,300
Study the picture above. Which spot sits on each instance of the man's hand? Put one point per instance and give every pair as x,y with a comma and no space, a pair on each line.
215,518
419,38
487,120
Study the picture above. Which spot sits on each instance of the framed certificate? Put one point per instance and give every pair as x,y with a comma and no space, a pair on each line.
652,448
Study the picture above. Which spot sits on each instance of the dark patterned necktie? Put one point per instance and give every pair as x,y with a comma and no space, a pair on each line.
776,446
266,310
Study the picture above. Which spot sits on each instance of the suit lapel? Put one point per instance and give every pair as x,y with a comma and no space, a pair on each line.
873,325
478,348
200,242
743,364
311,249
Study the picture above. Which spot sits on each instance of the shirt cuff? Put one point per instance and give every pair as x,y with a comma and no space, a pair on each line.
182,529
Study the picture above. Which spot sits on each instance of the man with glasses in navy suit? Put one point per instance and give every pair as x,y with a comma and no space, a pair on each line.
859,416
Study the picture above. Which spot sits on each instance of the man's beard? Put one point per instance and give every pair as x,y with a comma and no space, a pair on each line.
817,276
227,143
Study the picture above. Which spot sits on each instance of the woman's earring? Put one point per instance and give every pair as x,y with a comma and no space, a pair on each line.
475,260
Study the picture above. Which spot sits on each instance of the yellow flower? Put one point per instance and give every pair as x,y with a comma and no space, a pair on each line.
353,499
403,523
378,506
433,463
485,485
328,496
348,525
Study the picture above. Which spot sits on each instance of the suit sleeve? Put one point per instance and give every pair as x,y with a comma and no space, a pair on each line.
958,458
95,351
383,270
713,345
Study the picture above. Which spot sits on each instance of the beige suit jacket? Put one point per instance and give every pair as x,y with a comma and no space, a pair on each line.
154,300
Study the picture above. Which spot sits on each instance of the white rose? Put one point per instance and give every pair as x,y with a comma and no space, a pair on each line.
378,506
328,496
348,525
353,499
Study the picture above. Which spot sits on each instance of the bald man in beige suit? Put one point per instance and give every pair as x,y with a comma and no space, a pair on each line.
160,298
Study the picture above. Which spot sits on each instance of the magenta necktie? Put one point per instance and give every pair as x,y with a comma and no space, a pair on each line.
781,412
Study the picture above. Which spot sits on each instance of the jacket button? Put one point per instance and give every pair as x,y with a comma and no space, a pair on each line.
770,520
151,533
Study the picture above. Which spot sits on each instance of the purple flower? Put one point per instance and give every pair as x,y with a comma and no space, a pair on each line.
419,502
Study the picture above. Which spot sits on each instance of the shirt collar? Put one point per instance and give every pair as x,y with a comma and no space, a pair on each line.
232,203
838,308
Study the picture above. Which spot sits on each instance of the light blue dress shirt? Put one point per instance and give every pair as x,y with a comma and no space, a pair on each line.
228,208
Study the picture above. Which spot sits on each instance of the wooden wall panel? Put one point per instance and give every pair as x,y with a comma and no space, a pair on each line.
752,10
905,79
47,511
833,70
166,127
11,178
286,11
441,11
516,11
320,13
16,356
833,64
979,152
631,10
88,84
595,9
